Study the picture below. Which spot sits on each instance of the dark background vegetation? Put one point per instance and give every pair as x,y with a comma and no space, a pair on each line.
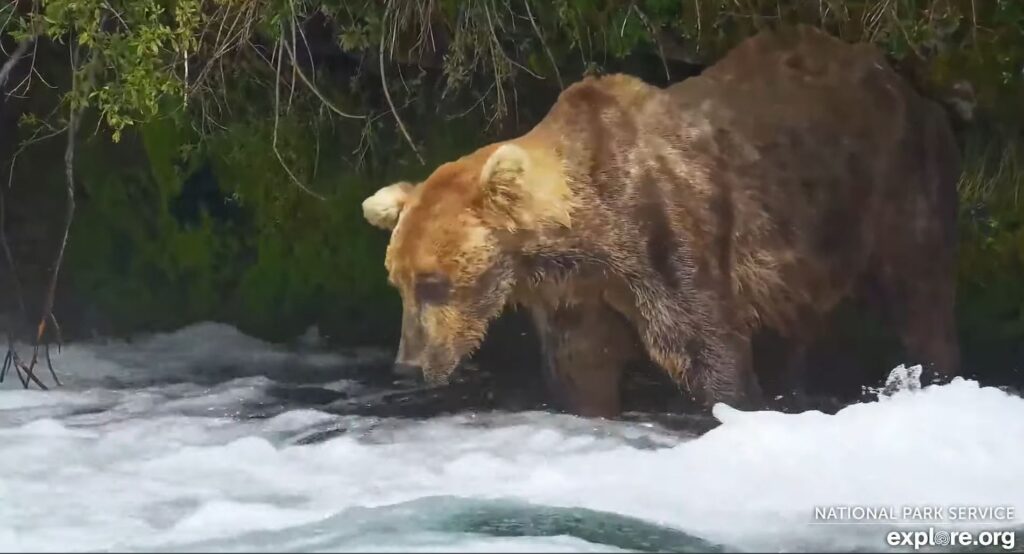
219,149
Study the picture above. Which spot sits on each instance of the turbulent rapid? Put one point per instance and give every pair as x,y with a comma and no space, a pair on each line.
182,442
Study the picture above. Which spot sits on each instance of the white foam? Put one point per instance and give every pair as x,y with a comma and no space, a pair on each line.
196,350
150,468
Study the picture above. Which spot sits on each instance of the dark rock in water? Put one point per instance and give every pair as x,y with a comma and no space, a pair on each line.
321,436
474,391
689,424
504,376
413,403
305,395
648,398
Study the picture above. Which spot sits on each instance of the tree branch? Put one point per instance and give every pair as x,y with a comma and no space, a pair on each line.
69,213
74,119
657,41
315,90
277,119
544,44
387,94
16,56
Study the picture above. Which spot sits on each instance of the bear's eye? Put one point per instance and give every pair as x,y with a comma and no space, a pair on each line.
432,289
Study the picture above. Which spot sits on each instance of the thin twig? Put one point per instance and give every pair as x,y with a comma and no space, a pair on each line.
427,28
391,103
500,103
657,41
48,315
28,142
479,101
497,44
316,152
974,26
33,71
14,9
315,90
74,118
8,358
231,41
291,85
19,53
277,120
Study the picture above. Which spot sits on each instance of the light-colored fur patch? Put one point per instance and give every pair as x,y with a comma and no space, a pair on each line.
527,183
509,159
385,206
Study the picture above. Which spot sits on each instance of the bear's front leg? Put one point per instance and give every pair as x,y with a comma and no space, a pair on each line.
585,347
684,334
711,364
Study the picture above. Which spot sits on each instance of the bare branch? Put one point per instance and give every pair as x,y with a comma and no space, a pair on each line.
391,103
69,213
291,85
21,369
494,46
277,120
497,44
313,88
26,371
232,39
74,119
536,29
657,40
14,10
28,142
16,56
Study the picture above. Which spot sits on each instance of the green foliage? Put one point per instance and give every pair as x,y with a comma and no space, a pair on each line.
992,243
131,257
138,48
259,253
144,52
304,253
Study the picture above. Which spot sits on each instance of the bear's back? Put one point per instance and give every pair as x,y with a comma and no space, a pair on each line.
791,161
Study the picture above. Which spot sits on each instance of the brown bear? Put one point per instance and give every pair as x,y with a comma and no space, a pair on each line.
673,223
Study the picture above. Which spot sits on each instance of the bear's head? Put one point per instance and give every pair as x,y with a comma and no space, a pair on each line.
455,242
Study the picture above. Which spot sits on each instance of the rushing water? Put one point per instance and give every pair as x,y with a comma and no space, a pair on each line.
179,442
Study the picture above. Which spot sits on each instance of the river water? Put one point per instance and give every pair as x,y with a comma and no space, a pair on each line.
182,442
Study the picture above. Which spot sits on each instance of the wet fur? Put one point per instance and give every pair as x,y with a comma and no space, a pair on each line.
676,222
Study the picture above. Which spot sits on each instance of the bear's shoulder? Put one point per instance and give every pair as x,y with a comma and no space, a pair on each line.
617,88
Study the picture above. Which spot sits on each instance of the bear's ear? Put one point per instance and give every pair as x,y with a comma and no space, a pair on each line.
383,208
504,172
521,191
503,184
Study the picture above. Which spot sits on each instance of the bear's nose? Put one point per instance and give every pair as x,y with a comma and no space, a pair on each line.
408,371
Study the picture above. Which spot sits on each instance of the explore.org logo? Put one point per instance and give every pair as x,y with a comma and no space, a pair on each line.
1006,540
930,526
